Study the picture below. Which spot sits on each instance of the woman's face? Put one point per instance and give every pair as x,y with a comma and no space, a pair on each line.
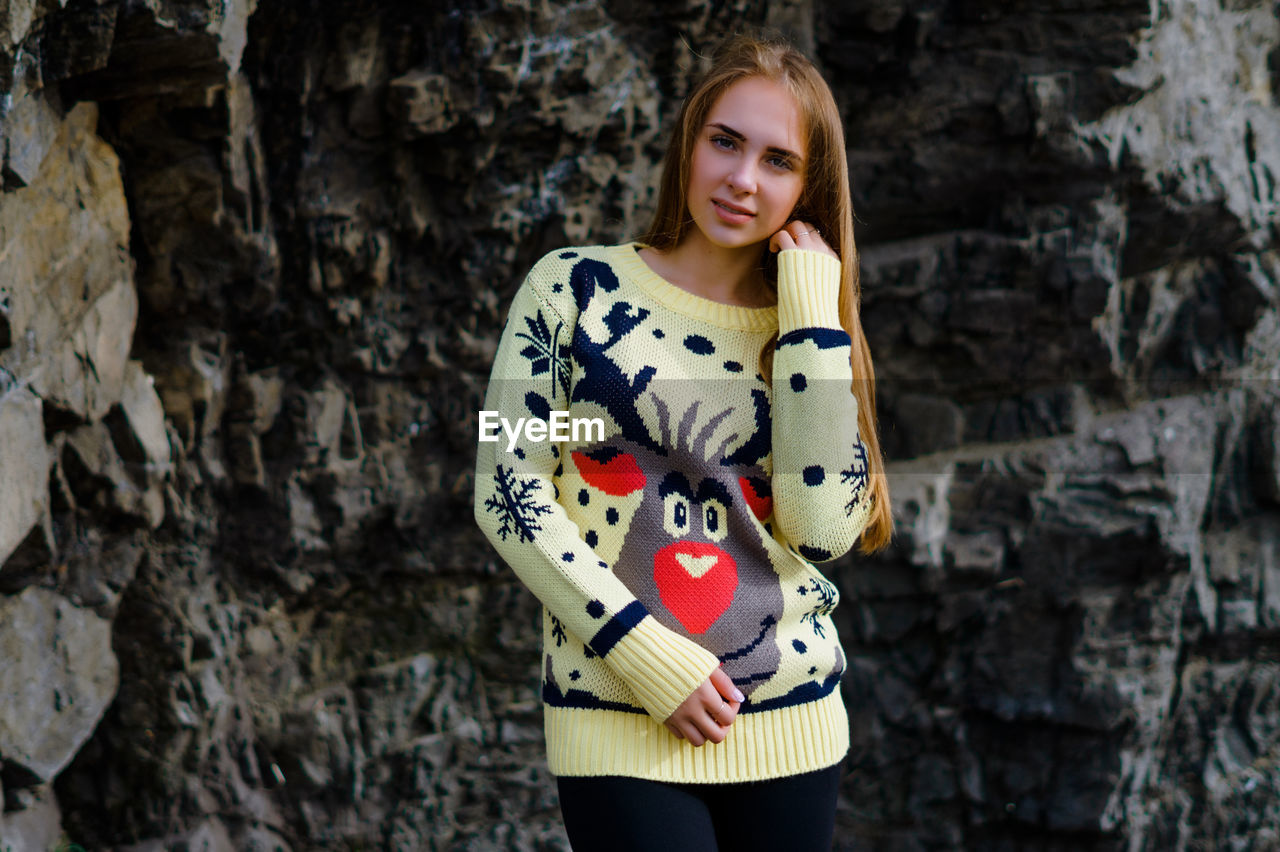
747,170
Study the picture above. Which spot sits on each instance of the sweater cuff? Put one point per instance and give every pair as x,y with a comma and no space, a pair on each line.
808,290
662,667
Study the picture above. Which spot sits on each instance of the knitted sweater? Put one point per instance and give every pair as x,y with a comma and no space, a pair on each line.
680,534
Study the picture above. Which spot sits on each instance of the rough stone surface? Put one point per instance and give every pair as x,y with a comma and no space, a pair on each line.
59,676
209,836
36,826
24,467
68,287
256,260
144,418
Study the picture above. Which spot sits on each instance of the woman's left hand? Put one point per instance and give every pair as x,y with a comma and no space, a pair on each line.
797,234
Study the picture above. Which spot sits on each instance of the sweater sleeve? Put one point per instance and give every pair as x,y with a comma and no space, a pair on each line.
517,507
821,496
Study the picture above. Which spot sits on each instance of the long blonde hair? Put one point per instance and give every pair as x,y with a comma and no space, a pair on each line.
825,202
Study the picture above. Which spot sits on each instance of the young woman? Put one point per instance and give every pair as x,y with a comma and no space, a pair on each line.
689,427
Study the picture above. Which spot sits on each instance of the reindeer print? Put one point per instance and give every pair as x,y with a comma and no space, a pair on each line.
692,554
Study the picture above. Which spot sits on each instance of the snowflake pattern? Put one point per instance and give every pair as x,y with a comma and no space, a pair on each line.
557,631
826,602
856,475
544,352
515,505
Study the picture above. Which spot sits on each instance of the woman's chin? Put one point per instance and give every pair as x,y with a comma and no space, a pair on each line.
734,240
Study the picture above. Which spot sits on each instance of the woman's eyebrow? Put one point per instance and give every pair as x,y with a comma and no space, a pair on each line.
729,131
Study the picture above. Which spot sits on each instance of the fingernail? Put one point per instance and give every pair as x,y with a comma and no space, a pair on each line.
738,696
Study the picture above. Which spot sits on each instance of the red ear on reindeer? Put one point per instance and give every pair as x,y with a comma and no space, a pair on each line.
610,470
758,496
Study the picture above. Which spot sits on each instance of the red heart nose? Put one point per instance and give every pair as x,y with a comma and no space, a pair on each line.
696,581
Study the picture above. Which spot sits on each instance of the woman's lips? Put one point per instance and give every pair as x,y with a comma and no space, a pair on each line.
732,214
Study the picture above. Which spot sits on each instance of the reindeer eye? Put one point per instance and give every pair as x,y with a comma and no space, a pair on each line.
675,515
714,520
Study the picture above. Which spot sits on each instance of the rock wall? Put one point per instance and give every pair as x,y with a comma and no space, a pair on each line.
255,263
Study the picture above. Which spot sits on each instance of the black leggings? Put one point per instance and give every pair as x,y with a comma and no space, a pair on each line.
613,814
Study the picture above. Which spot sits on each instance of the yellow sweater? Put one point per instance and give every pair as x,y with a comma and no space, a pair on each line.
678,531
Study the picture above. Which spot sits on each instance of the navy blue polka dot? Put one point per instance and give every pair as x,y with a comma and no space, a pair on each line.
798,645
557,287
699,345
657,332
798,382
519,452
813,669
814,475
603,564
537,405
591,538
733,366
555,451
583,497
556,491
595,609
611,516
567,255
768,528
560,469
575,674
567,556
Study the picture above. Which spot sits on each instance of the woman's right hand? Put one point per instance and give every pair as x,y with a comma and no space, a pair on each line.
707,714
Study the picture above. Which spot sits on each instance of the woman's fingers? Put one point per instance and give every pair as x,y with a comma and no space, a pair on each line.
781,240
720,702
725,687
705,716
709,729
724,714
728,698
696,735
698,730
708,721
809,237
803,235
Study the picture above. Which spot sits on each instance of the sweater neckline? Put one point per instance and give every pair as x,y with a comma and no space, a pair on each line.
628,260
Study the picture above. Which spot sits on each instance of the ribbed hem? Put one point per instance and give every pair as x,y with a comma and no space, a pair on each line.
759,746
660,666
628,261
808,290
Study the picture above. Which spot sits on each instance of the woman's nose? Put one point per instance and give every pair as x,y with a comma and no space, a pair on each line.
743,176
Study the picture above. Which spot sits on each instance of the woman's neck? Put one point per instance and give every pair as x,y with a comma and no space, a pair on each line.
732,276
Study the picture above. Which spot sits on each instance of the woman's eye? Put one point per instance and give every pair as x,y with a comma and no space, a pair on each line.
722,142
781,163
